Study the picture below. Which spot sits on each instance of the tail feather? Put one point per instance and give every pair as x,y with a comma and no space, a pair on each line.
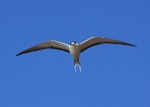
77,63
79,67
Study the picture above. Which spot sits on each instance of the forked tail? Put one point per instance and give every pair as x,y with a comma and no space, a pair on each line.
77,62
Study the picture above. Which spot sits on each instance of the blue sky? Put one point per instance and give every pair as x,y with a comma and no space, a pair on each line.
112,75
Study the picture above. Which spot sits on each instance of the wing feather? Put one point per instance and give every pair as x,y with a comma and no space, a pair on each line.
50,44
99,40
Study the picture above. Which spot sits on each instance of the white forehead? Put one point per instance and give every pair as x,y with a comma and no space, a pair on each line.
72,43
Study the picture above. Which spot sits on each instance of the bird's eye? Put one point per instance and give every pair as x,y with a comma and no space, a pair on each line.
72,43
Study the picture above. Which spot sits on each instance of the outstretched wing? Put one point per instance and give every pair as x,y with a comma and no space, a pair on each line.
99,40
50,44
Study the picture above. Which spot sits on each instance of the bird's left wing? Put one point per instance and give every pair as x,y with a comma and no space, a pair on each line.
99,40
50,44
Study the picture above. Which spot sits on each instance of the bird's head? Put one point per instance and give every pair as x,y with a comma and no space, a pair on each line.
73,43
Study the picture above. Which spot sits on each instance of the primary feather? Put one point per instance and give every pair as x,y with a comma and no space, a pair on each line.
99,40
50,44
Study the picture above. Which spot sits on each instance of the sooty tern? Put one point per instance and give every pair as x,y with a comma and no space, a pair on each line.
74,48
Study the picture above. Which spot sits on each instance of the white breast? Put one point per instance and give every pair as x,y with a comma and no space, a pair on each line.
74,51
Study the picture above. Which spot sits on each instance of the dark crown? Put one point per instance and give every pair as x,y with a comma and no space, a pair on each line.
73,42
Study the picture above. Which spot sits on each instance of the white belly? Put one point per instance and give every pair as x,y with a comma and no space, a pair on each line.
74,50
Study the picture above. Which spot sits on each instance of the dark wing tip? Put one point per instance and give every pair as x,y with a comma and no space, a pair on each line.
132,45
124,42
19,54
23,52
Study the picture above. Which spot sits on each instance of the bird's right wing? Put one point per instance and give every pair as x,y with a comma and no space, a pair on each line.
99,40
50,44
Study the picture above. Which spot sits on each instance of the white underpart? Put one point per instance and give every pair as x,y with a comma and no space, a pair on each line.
75,52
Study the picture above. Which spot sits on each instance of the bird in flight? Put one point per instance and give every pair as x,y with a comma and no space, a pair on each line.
74,48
